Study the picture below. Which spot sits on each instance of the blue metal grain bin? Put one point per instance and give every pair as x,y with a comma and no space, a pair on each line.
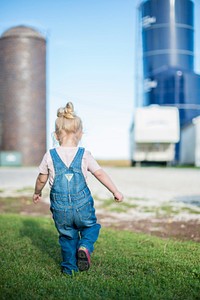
168,56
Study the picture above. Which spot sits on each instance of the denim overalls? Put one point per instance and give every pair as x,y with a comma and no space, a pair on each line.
73,210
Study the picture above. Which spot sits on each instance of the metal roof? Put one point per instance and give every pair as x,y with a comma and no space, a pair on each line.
22,31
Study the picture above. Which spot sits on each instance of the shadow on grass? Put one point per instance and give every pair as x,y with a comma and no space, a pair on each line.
42,238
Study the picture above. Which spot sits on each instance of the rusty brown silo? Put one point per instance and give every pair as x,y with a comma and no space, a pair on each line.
23,93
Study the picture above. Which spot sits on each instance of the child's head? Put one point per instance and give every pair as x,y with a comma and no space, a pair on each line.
68,124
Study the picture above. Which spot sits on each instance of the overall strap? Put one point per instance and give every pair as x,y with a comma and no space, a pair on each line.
77,161
57,161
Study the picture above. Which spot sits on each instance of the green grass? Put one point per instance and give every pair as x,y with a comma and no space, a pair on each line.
112,206
165,210
168,210
124,265
25,189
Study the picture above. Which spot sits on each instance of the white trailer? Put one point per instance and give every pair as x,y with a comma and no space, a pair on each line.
154,134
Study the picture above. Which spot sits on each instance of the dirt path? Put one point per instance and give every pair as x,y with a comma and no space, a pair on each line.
158,201
182,230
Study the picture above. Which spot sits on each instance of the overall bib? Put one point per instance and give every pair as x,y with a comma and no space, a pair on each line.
73,210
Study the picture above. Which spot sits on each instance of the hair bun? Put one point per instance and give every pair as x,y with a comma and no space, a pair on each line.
60,112
67,111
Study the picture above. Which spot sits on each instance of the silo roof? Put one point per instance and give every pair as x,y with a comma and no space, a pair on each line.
22,31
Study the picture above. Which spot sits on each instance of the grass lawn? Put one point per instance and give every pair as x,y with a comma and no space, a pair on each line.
125,265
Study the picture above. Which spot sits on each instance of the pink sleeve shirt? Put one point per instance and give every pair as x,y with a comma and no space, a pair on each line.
67,155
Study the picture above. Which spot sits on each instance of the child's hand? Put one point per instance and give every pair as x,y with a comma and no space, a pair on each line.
118,196
36,198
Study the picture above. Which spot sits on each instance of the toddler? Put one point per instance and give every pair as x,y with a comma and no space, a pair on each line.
71,203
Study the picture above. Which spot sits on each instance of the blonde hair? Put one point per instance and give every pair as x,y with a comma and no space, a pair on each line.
68,122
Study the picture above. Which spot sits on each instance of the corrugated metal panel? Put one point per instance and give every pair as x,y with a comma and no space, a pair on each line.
168,34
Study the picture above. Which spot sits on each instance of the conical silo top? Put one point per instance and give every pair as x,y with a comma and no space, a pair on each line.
22,31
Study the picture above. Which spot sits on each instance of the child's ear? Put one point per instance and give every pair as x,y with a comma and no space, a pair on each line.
56,136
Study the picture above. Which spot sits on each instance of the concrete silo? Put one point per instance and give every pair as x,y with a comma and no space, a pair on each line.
23,93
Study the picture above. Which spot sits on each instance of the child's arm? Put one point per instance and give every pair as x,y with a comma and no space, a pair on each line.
103,177
39,185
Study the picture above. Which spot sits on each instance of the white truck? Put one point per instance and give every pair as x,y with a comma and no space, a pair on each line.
154,133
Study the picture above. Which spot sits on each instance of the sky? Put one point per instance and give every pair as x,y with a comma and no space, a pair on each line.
91,60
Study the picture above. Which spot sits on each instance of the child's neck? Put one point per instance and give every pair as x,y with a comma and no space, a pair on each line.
67,142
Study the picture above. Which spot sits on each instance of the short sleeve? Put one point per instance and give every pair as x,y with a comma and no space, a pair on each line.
92,164
43,167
